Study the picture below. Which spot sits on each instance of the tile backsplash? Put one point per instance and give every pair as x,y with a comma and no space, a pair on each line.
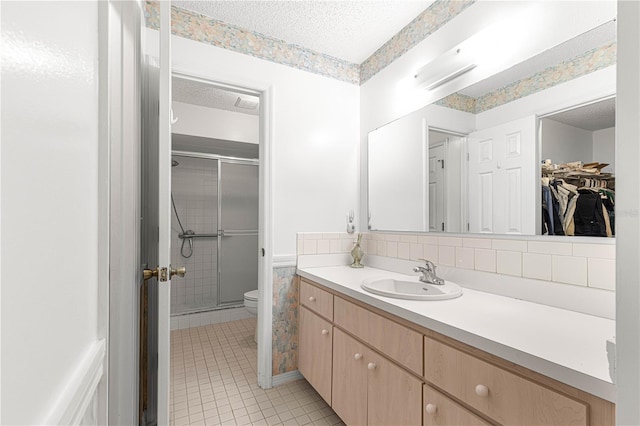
585,264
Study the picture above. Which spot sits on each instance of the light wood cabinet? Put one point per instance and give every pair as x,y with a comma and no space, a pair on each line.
503,396
368,389
315,347
393,395
316,299
398,342
439,410
374,368
349,379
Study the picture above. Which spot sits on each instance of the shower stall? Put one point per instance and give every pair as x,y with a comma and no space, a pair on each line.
214,230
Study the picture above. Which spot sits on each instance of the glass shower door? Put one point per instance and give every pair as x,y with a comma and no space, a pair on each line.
237,230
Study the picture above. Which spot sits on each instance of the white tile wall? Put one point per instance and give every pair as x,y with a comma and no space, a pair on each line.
584,264
537,266
509,262
194,187
569,269
601,273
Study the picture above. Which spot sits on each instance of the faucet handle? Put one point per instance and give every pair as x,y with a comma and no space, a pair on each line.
429,264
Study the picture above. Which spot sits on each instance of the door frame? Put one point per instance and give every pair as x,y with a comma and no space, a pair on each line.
265,221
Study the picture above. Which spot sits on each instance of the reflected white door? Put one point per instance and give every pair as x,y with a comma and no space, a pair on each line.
503,179
436,189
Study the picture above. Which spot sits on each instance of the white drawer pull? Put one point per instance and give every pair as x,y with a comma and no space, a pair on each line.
371,366
325,331
357,357
431,408
482,390
312,299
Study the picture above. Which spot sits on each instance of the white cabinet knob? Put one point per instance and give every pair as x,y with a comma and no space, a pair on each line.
325,331
357,357
371,366
312,299
482,390
431,408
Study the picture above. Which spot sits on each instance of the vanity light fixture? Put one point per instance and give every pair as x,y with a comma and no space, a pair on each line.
442,70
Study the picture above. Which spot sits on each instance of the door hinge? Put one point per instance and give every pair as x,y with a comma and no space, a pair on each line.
262,249
442,163
443,226
468,227
467,156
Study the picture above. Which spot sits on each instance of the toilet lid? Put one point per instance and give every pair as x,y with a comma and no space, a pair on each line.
251,295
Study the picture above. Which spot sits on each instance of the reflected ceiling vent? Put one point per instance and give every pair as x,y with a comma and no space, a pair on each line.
442,70
246,103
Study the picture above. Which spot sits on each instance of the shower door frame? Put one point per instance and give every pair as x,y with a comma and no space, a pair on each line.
220,159
265,92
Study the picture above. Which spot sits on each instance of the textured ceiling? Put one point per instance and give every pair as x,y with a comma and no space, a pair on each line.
596,116
590,40
197,93
348,30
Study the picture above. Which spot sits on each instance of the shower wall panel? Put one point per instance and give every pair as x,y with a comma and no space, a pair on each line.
194,187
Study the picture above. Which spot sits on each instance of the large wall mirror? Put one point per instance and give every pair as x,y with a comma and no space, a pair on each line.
510,154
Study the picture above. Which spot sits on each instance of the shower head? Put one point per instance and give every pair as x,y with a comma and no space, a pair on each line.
174,163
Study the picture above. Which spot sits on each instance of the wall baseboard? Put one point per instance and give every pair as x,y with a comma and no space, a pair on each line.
80,391
283,378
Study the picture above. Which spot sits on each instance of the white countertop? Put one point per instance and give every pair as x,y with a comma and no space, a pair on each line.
567,346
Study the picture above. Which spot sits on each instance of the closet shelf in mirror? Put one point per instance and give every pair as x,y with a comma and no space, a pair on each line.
578,201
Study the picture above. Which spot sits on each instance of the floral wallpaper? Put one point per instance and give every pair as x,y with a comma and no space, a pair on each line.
194,26
285,320
459,101
582,64
201,28
435,16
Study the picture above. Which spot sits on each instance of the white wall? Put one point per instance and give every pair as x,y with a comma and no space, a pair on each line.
50,199
215,123
315,136
604,148
563,143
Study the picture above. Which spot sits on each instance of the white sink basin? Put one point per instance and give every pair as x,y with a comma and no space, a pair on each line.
411,289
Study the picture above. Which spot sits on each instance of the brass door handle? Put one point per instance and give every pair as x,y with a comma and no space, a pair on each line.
162,273
148,273
181,272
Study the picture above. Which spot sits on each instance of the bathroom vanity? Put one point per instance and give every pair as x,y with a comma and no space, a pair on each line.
476,360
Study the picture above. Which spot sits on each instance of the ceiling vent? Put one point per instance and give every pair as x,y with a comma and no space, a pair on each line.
247,103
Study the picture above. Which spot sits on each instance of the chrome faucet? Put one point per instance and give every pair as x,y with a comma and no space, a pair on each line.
428,273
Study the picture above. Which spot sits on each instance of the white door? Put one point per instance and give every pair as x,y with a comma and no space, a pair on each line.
156,230
164,213
436,189
502,178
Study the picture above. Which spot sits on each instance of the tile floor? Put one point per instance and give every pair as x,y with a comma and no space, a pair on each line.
214,382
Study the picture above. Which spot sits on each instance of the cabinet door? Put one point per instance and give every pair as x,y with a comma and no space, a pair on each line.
441,411
394,397
349,379
314,352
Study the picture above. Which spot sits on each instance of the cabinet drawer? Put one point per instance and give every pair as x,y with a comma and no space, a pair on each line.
442,411
316,299
503,396
394,340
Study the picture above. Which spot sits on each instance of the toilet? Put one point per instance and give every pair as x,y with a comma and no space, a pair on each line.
251,301
251,304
